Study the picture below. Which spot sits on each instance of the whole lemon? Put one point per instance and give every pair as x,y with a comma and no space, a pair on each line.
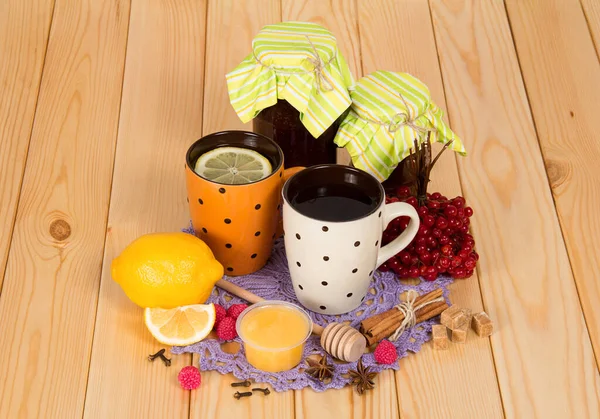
167,270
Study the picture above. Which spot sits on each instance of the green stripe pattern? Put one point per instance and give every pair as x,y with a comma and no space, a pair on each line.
388,112
283,65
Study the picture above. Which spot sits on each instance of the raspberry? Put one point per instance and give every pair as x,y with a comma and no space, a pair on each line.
189,378
235,310
226,329
385,353
220,314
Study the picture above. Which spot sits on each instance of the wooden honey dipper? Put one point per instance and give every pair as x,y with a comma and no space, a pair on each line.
337,339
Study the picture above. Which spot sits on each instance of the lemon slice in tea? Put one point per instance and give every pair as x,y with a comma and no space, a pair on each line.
233,166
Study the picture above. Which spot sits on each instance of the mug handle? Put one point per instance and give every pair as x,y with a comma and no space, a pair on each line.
391,211
287,173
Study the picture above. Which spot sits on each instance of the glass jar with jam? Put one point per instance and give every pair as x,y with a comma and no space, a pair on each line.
294,88
392,114
282,123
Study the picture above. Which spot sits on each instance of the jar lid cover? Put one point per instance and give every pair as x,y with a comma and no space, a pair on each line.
298,62
388,112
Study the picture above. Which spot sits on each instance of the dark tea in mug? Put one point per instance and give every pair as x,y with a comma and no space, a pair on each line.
336,202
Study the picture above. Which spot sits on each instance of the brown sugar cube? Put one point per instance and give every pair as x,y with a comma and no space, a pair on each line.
440,337
482,325
468,315
453,317
459,335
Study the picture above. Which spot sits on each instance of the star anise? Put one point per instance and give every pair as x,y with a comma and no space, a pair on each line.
320,370
362,377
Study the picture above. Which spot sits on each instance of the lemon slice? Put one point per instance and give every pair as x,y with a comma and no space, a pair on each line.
233,166
180,326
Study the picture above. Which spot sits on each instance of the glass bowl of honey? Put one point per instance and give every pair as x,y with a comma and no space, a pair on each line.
274,333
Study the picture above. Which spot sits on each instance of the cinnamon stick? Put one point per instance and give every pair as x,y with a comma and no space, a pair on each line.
386,330
394,315
436,310
383,325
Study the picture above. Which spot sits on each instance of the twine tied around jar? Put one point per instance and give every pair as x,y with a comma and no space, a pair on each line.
319,68
406,120
408,309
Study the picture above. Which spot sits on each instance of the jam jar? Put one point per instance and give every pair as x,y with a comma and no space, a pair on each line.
281,122
295,88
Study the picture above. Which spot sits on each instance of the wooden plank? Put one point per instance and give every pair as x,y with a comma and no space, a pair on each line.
542,351
231,27
48,304
340,17
24,31
232,24
591,8
399,37
161,115
563,85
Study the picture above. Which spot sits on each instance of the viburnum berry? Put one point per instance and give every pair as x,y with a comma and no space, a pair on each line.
443,244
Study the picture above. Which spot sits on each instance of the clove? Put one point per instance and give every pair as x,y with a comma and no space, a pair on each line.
156,355
239,395
166,360
241,384
265,390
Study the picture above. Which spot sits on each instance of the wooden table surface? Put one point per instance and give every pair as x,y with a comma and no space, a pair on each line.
100,100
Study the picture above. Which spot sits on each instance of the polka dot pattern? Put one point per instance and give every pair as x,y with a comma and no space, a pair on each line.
340,250
240,220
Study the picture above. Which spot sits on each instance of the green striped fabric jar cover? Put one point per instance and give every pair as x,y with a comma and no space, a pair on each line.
389,111
298,63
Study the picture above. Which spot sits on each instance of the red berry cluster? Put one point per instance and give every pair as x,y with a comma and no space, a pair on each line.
225,320
443,244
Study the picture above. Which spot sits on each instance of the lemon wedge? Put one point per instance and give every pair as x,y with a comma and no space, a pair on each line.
233,166
180,326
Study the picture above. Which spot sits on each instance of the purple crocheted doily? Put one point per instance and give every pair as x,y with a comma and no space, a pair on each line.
273,283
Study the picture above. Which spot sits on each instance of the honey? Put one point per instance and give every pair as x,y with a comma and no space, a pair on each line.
274,333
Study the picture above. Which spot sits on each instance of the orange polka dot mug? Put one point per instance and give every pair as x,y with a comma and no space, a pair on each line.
238,222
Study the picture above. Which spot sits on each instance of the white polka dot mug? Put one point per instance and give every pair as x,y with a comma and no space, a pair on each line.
333,219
